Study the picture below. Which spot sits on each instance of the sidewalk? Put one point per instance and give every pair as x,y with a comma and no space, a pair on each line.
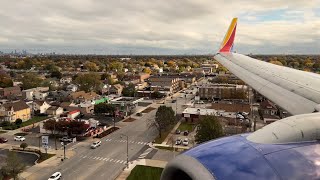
173,131
32,172
145,162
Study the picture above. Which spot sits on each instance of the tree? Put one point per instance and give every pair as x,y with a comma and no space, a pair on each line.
91,66
13,166
56,74
49,125
164,118
88,82
31,80
77,127
18,122
5,81
23,145
276,62
147,70
104,108
129,91
209,128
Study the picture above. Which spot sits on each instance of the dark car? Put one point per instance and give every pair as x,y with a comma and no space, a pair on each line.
139,114
3,140
173,101
178,131
186,133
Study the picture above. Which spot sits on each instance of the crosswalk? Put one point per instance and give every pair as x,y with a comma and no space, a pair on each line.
124,141
145,153
104,159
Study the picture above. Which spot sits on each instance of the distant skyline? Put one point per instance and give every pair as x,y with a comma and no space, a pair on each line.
158,27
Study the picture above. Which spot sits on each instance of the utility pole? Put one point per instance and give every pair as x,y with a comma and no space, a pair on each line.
127,148
55,136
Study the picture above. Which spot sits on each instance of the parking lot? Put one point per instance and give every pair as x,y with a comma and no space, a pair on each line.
26,158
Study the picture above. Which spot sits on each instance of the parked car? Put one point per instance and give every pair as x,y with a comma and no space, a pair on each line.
178,131
185,142
66,139
186,133
19,138
3,140
139,114
178,141
55,176
173,101
95,144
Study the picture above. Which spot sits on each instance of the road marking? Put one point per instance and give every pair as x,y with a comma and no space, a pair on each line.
118,161
145,153
121,161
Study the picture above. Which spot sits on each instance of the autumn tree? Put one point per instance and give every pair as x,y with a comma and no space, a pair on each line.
5,81
31,80
209,128
147,70
91,66
88,82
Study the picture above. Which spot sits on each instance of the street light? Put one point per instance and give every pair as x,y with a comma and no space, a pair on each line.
127,148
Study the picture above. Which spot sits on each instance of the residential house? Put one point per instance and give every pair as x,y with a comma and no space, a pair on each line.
54,111
15,110
58,95
40,107
116,89
81,96
65,80
38,93
10,91
72,88
268,108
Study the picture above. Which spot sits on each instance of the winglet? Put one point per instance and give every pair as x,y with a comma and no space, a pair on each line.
227,43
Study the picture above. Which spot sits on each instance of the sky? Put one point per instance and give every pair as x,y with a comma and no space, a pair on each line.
159,27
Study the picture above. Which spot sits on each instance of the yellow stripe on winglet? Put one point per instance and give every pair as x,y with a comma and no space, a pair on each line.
229,32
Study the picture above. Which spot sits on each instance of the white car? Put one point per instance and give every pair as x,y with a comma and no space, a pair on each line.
95,144
185,142
55,176
19,138
178,141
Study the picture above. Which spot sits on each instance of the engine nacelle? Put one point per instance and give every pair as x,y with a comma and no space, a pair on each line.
285,149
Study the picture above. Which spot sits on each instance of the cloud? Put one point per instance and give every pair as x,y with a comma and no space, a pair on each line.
158,26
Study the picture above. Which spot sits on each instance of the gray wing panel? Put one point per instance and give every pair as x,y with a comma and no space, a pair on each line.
282,90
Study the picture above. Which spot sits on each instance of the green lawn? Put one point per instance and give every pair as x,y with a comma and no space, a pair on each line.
164,134
185,126
145,173
35,119
44,157
167,148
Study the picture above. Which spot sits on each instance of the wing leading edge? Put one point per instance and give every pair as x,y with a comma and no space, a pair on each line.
296,91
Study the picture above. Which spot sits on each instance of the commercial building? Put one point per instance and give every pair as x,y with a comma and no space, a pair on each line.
164,83
222,91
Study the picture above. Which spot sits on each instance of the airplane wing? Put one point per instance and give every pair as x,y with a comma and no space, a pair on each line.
296,91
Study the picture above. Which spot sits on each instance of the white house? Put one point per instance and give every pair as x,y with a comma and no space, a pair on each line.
54,111
40,95
65,80
72,88
41,106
